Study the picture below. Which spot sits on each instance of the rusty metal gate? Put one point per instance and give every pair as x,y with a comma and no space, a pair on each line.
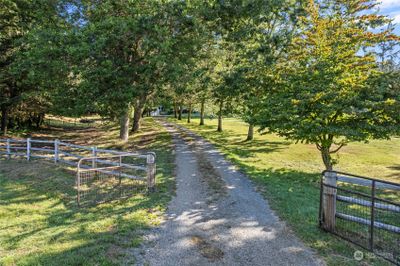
102,179
362,210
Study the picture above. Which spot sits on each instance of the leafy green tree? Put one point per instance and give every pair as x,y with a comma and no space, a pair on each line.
202,83
223,83
328,91
260,38
23,25
251,35
129,51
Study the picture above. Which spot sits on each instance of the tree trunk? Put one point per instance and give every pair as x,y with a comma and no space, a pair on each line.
326,158
41,119
202,113
250,133
189,113
138,113
180,112
124,129
221,105
4,120
175,110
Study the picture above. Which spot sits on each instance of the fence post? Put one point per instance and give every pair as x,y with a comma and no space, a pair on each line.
119,175
329,201
94,154
56,147
8,149
28,149
371,229
78,185
151,171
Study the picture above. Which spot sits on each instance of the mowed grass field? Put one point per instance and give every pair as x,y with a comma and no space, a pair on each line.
378,158
40,223
288,175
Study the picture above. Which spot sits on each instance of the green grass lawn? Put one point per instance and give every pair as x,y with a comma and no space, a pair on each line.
40,223
288,175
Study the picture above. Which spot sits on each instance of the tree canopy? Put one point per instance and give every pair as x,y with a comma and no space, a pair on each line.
328,89
322,72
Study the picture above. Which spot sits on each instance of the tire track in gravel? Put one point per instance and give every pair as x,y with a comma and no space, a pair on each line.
217,217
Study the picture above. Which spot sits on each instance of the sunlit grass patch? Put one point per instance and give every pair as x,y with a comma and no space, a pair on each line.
40,223
288,175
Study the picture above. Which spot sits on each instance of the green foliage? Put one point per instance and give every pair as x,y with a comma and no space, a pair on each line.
328,91
130,49
32,64
288,175
42,225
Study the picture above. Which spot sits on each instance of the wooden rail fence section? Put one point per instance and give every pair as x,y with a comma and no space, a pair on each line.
72,154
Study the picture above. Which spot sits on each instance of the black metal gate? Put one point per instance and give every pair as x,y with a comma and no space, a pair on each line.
362,210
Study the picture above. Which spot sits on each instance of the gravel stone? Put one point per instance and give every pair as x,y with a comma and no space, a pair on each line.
237,229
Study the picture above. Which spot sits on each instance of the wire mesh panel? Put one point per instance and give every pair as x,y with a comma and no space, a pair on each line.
102,175
347,207
366,212
102,179
386,235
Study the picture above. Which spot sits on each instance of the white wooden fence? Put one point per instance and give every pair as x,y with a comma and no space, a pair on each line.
138,167
56,150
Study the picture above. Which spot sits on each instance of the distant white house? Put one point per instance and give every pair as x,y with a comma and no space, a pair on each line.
156,112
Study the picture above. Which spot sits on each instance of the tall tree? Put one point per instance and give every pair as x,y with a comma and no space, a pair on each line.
251,35
128,53
22,22
327,93
261,37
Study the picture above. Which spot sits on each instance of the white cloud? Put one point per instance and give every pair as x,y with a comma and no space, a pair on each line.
396,19
388,4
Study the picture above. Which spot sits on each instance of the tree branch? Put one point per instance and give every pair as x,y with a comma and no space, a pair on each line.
337,149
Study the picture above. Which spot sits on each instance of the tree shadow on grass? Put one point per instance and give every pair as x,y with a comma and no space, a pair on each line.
239,145
40,223
395,168
248,149
43,225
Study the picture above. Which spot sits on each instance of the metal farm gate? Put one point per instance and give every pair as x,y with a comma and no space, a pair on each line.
101,179
101,175
362,210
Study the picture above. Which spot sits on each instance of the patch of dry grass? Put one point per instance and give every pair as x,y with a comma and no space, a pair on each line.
206,249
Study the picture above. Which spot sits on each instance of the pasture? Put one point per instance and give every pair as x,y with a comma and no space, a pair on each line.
288,175
40,223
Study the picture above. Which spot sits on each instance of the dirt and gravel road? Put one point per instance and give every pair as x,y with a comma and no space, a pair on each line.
217,217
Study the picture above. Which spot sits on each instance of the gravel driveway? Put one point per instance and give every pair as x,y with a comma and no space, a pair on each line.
217,217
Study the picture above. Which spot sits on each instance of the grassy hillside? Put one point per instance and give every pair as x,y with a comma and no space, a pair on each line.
288,175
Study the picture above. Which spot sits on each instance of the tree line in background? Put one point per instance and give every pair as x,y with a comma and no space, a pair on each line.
322,72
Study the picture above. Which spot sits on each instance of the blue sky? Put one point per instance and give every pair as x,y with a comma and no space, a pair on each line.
391,8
